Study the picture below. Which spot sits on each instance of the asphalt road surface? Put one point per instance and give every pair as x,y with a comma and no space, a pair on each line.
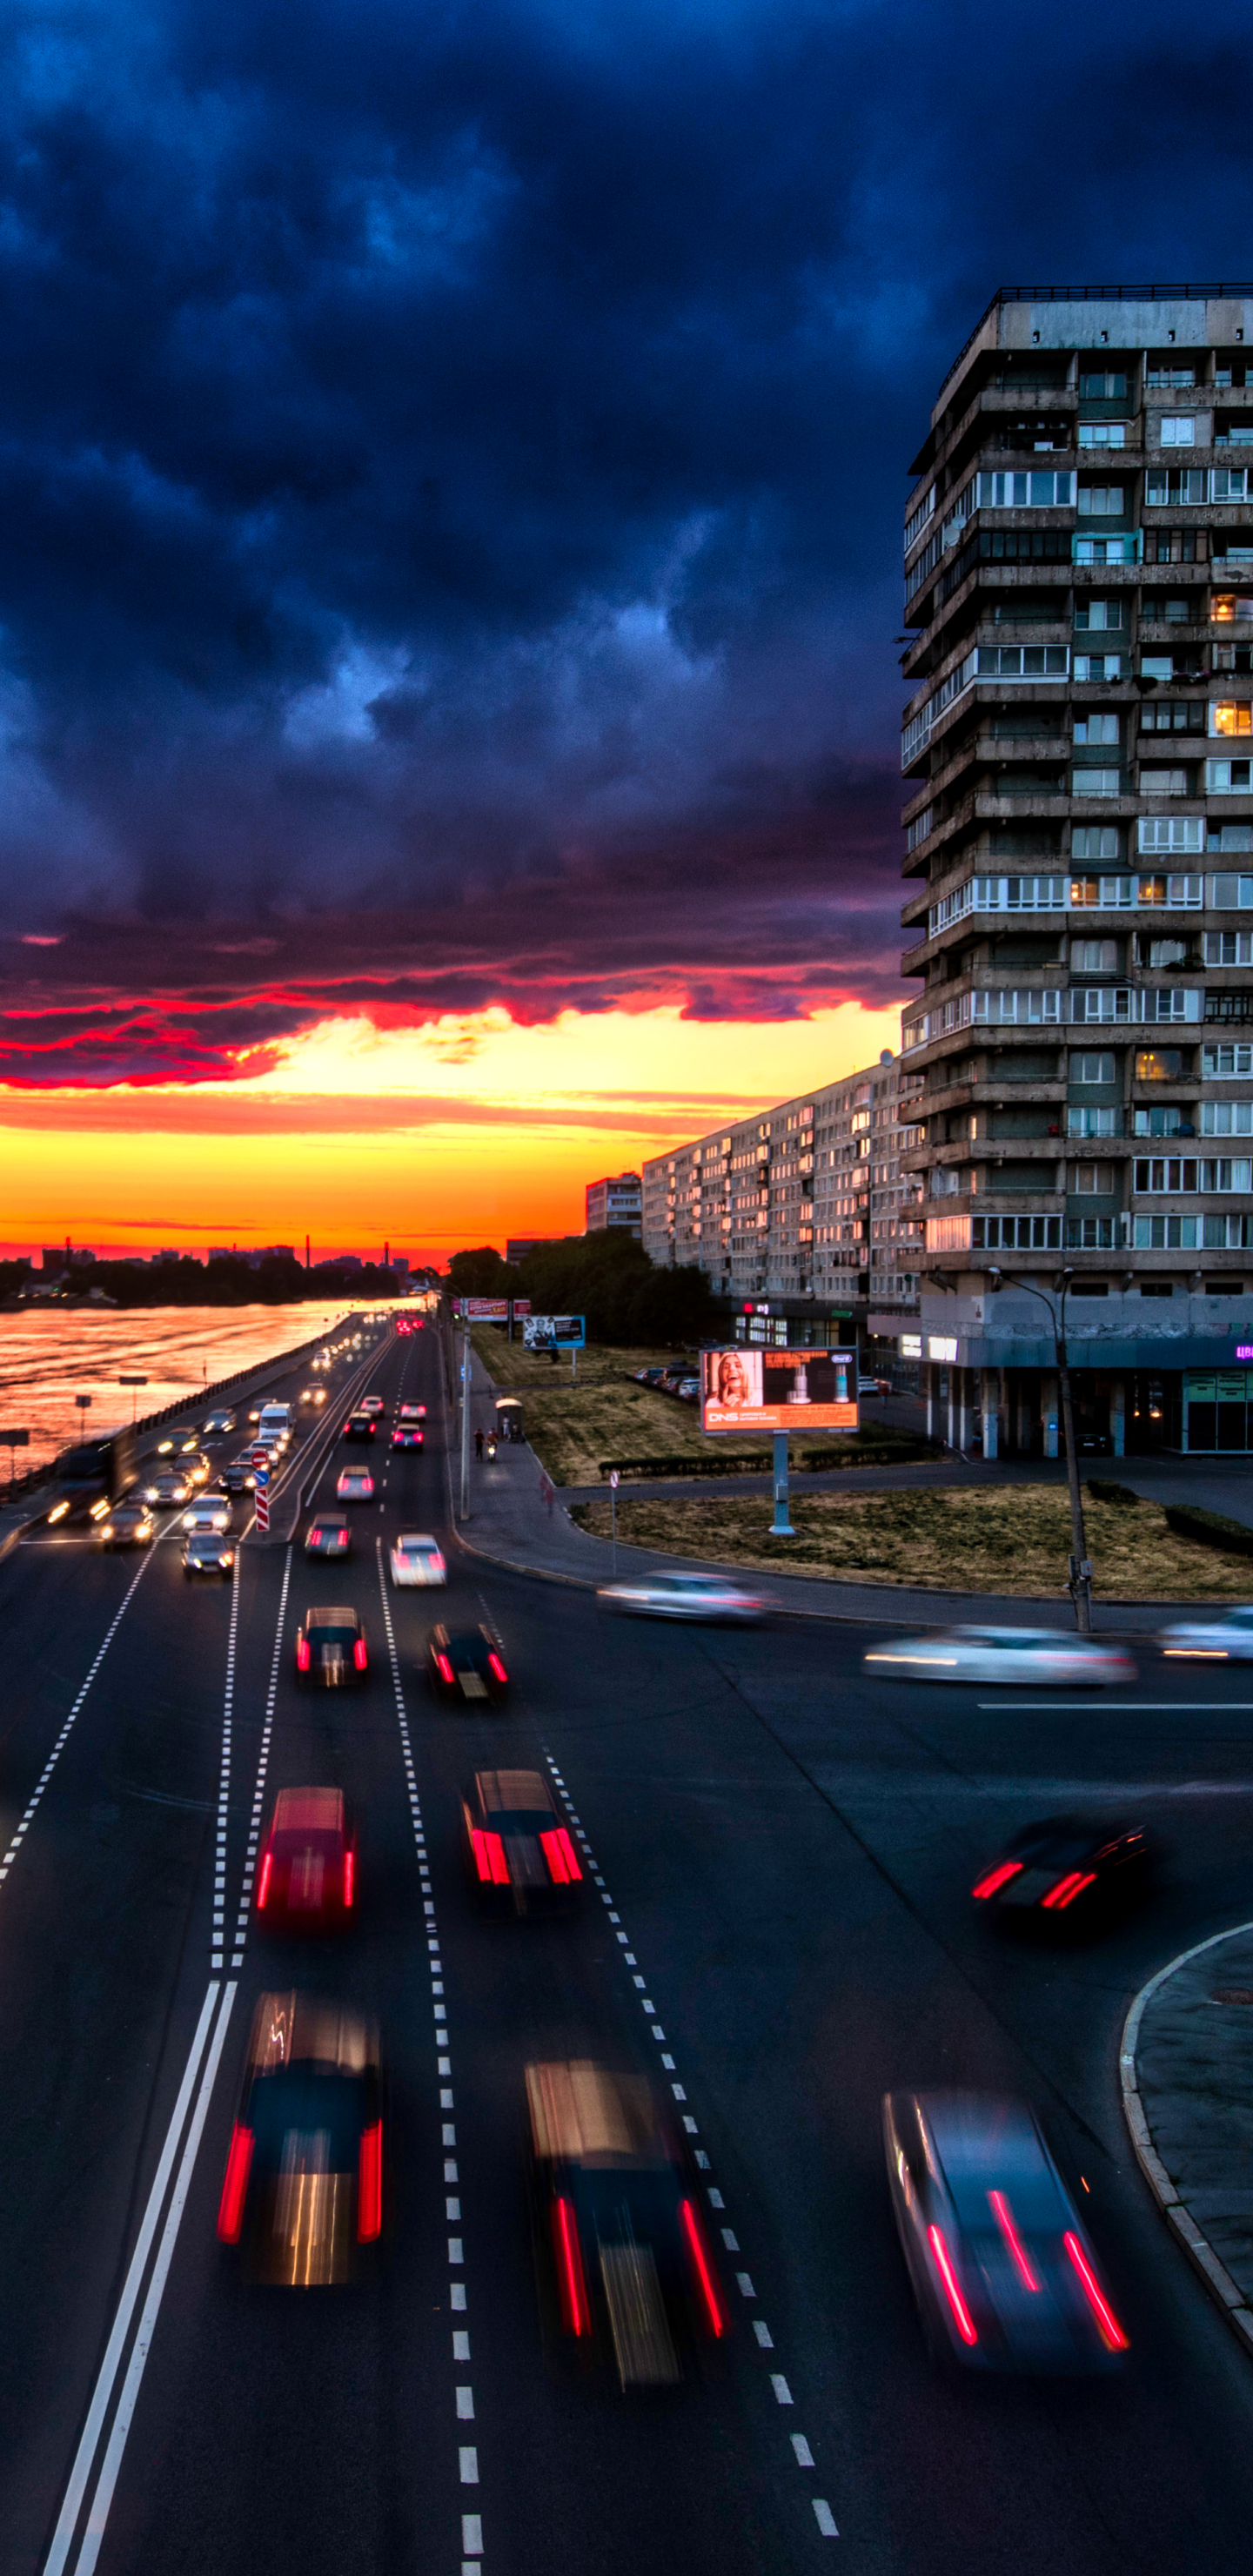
776,1923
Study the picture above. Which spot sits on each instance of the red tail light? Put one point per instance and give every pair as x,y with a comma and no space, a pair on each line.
302,1654
1067,1889
359,1654
350,1872
494,1665
997,1878
489,1858
1111,2332
370,2184
692,2230
962,2318
1004,2217
235,2185
263,1883
558,1851
445,1668
576,2315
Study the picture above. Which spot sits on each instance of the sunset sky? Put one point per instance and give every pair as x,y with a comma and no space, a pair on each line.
451,466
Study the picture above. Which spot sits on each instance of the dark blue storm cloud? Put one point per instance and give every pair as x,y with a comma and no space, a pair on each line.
450,477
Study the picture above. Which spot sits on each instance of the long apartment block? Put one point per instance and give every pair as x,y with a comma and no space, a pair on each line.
1077,753
803,1208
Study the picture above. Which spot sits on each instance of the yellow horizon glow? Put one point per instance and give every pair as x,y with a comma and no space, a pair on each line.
466,1130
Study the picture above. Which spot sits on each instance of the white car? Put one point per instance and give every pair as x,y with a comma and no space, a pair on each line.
681,1596
1226,1637
208,1519
355,1485
416,1559
371,1404
1001,1655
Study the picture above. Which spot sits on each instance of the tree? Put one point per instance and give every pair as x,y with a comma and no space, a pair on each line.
480,1274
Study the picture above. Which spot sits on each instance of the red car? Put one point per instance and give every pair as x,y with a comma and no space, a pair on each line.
307,1874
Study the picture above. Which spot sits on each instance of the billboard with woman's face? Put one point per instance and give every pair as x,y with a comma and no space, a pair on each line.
764,1390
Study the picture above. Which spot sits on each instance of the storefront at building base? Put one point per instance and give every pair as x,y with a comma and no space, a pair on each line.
989,1376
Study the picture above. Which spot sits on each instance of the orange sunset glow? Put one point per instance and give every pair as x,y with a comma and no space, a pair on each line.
465,1130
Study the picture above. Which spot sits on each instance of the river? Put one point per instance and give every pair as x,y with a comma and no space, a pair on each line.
48,1358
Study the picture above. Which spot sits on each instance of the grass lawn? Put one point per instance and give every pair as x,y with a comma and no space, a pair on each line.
1016,1540
602,1414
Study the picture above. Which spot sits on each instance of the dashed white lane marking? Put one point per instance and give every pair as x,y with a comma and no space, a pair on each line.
54,1757
463,2391
263,1764
801,2452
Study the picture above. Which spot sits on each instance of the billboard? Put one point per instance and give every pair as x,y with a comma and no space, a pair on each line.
554,1333
766,1390
491,1310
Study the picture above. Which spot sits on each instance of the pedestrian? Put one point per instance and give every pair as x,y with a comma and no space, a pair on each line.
478,1444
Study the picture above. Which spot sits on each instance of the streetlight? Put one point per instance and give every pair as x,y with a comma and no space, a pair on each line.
1079,1585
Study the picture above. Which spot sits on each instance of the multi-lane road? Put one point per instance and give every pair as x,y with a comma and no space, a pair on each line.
777,1927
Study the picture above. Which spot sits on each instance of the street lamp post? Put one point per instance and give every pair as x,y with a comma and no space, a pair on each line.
1080,1581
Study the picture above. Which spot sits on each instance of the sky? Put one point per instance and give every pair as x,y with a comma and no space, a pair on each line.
451,468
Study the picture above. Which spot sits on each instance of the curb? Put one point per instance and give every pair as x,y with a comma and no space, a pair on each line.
1174,2209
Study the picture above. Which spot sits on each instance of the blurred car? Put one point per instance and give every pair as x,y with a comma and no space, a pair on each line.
408,1435
359,1426
307,1871
1069,1869
169,1486
328,1534
372,1404
127,1525
303,2187
313,1394
195,1466
1001,2268
208,1517
417,1559
623,2258
1002,1655
681,1596
514,1841
411,1413
688,1389
354,1485
331,1648
218,1424
208,1552
238,1477
874,1386
468,1665
1225,1637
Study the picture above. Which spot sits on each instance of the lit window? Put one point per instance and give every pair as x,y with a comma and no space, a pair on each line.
1232,715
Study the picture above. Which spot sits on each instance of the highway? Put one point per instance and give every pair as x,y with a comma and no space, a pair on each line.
777,1924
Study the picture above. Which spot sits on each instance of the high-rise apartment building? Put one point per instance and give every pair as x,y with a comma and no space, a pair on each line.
1078,759
804,1206
613,1201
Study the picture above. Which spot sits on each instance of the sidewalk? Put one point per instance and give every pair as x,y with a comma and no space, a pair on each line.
518,1519
1187,2082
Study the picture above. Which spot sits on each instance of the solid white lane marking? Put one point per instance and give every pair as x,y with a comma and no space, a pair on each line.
58,1746
825,2518
107,2481
1134,1707
804,2456
67,2519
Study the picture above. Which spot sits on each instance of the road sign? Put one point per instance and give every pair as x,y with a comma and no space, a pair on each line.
132,1381
83,1402
263,1509
613,1479
260,1458
14,1439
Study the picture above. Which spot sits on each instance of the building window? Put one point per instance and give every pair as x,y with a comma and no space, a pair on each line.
1090,1234
1094,956
1102,388
1165,782
1173,715
1235,1056
1227,606
1102,433
1161,379
1098,782
1159,1064
1167,486
1096,841
1231,716
1228,777
1093,1122
1227,1117
1098,666
1228,948
1012,1233
1093,1180
1102,500
1038,491
1163,834
1092,1067
1178,429
1099,726
1099,616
